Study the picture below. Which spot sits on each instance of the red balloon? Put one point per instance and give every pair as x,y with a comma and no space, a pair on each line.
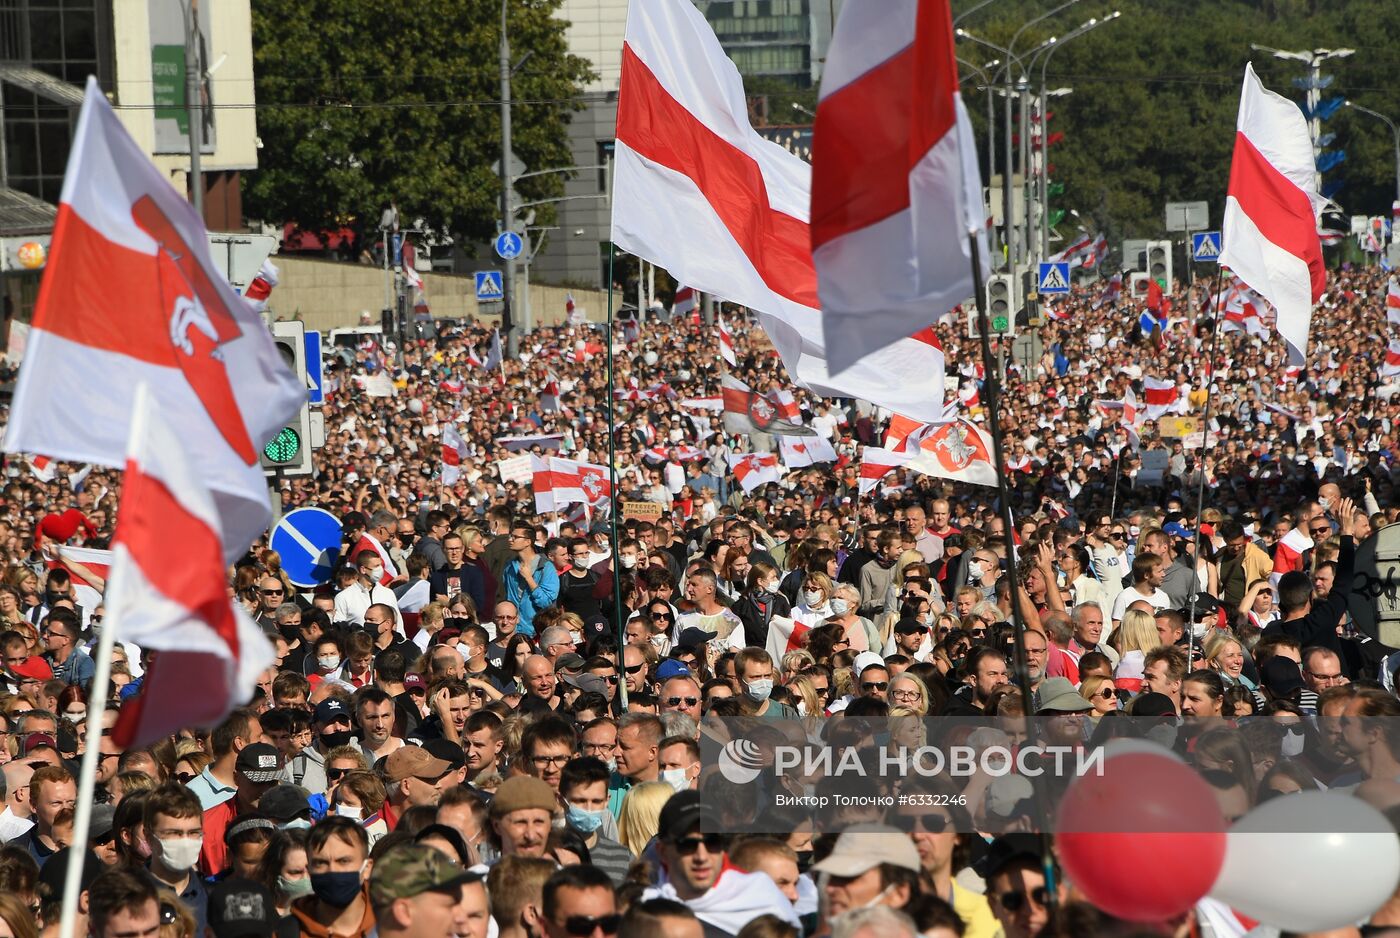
1145,840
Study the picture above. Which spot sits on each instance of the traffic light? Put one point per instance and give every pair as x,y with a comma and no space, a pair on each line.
1138,285
1001,305
289,452
1159,263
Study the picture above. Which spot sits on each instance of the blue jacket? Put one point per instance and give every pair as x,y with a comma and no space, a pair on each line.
530,601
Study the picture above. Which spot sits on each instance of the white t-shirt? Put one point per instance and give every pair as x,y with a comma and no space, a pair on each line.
1158,599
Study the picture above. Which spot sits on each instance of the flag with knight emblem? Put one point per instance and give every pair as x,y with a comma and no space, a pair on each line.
747,411
956,450
132,296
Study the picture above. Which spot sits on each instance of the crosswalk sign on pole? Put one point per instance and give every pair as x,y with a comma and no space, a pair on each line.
488,286
1205,246
1053,277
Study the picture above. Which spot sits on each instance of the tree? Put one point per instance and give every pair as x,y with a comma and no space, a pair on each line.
362,103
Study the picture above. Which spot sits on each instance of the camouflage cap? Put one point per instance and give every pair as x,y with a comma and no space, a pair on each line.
411,869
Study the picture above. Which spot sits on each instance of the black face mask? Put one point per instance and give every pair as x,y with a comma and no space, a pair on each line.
332,740
804,860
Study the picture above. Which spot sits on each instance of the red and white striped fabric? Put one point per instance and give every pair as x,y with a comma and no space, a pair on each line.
785,635
569,307
260,287
1290,375
167,591
904,435
1160,395
737,206
754,469
549,397
1391,367
726,345
1288,553
1111,291
368,541
454,450
660,454
684,302
746,411
596,483
98,561
1392,302
970,397
1271,208
895,187
132,296
1131,419
786,405
452,385
799,451
876,463
713,404
556,483
957,450
44,468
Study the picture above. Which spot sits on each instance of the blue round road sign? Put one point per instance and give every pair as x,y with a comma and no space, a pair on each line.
308,539
509,245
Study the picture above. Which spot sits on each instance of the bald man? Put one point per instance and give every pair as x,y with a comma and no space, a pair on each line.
540,683
15,819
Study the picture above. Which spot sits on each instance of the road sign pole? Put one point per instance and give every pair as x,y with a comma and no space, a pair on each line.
507,209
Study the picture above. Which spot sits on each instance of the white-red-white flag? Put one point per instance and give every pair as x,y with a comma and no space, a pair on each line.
896,194
785,634
1391,367
1111,291
1392,302
1160,395
260,287
1288,553
44,468
556,483
799,451
1271,207
131,296
596,483
495,356
957,450
168,593
726,344
454,450
754,469
747,411
737,205
684,302
876,463
368,541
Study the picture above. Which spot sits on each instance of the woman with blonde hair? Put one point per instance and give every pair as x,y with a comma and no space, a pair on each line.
640,815
1102,693
909,692
814,600
14,914
860,632
808,702
1136,636
795,662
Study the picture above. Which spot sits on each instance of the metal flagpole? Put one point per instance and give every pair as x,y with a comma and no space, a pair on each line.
1023,682
1201,457
97,698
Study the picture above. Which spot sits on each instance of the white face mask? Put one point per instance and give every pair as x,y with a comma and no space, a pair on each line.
839,607
812,598
1292,744
353,812
181,853
329,662
675,778
976,570
628,561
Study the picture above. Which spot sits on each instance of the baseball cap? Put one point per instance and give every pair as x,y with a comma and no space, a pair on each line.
414,682
54,873
681,813
693,637
669,669
100,821
862,847
354,519
447,751
35,740
1010,848
1176,529
32,668
867,658
569,661
240,908
409,870
413,762
909,626
589,683
259,762
330,709
284,803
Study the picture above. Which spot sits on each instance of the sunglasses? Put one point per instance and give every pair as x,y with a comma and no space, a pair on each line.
677,701
1321,532
875,685
184,778
335,775
272,592
1118,536
664,616
1016,900
1105,694
635,668
687,846
929,823
582,926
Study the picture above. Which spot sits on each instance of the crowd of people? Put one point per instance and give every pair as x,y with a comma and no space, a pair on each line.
488,721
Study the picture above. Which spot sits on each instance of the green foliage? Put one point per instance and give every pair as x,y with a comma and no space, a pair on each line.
361,103
1156,93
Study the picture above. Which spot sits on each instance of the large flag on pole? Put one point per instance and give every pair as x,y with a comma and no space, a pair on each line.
131,295
737,205
168,592
1270,236
895,187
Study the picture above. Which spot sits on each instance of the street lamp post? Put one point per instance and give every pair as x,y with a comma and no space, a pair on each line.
194,108
1049,52
1394,133
1313,59
507,195
991,118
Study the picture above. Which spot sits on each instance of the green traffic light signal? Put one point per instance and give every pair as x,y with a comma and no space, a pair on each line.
284,447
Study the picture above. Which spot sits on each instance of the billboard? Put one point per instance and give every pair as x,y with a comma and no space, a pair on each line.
167,22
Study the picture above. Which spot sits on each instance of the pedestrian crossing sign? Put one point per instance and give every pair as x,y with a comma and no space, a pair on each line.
1205,246
1054,277
488,286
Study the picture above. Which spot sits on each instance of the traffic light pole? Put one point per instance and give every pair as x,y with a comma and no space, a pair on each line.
507,196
